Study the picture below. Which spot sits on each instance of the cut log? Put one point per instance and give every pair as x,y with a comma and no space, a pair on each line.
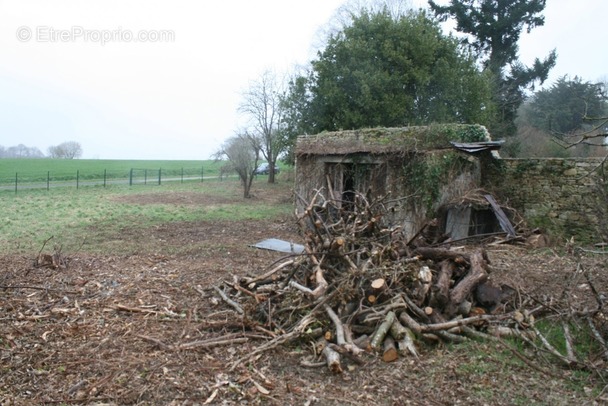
383,330
337,244
422,285
476,275
343,334
434,315
410,322
397,330
378,284
407,343
377,289
429,338
450,337
415,309
441,288
362,329
465,308
488,295
439,254
503,331
390,351
333,360
301,288
363,342
458,322
377,313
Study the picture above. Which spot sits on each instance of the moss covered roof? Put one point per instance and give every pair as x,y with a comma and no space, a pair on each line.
390,140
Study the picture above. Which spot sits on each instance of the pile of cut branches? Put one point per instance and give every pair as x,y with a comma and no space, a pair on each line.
360,287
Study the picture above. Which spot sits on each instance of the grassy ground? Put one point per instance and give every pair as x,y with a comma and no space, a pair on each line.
79,219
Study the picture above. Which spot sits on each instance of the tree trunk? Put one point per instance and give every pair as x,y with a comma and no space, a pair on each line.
246,189
271,168
476,275
247,182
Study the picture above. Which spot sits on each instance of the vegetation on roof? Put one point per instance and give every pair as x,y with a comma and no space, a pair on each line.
387,140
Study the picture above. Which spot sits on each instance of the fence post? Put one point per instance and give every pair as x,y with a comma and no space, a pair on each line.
202,173
48,180
16,181
104,177
145,176
182,175
77,177
159,169
131,177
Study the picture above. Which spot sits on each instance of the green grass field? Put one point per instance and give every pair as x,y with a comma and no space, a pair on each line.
39,170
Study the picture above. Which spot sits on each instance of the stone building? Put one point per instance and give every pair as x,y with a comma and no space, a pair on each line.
445,171
420,172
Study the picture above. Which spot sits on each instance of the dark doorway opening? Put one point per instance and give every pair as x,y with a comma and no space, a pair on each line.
348,192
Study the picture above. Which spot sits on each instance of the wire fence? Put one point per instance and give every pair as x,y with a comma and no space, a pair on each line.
134,176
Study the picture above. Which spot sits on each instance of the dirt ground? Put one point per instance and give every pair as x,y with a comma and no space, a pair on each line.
103,330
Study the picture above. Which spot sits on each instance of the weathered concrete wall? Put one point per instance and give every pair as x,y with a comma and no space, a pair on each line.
557,195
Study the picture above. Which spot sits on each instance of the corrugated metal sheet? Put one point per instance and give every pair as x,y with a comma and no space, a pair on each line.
475,147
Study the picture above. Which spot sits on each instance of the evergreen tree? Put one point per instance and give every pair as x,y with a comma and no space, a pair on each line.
569,105
493,29
388,70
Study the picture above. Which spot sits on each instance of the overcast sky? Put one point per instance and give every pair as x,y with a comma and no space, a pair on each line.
135,79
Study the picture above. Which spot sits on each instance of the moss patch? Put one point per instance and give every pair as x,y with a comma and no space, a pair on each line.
390,140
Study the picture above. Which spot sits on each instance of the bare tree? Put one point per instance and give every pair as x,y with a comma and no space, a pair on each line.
262,104
595,135
243,153
66,150
590,109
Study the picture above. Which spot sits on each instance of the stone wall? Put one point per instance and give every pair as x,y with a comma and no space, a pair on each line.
559,196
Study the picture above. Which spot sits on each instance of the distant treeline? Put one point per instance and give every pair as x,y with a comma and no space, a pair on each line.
20,151
65,150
